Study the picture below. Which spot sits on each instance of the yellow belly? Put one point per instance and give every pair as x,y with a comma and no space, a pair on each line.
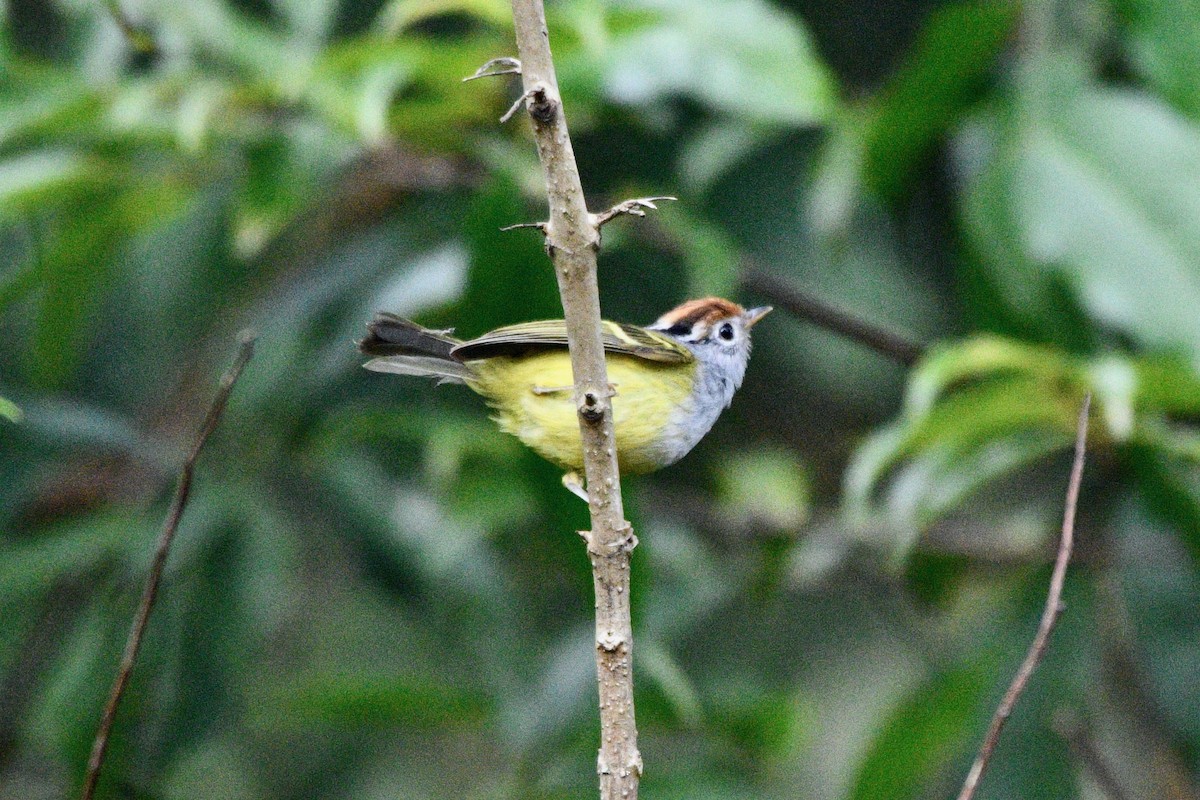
534,400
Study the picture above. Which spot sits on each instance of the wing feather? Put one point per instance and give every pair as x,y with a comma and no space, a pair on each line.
552,335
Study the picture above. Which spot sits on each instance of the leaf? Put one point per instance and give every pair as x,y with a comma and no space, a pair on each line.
922,735
973,413
712,259
768,487
371,700
9,410
877,144
36,177
1103,188
933,87
741,57
977,357
668,676
1162,38
31,567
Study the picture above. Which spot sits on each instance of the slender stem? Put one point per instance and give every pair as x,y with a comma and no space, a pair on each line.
1050,615
807,307
572,239
150,591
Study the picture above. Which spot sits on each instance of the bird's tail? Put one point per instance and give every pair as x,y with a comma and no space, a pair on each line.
405,348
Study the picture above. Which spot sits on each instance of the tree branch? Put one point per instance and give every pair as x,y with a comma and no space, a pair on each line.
572,238
150,592
1050,615
806,307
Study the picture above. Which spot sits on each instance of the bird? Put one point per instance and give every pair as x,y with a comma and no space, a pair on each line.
671,379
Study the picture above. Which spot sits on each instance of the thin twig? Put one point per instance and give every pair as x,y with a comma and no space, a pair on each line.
505,65
1050,614
634,208
806,307
572,238
150,591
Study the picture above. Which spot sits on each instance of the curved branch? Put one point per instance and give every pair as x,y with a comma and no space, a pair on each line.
1050,614
150,593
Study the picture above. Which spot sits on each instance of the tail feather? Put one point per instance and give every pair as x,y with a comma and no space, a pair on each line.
405,348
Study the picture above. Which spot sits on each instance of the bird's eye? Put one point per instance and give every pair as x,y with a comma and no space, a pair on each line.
726,332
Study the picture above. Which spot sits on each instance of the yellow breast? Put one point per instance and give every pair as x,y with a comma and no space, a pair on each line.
534,400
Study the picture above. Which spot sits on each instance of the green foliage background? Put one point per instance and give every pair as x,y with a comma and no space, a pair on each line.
375,594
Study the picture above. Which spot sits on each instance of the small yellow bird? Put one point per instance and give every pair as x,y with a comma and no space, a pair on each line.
672,379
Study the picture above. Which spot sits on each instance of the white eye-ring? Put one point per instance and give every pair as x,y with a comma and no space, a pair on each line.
726,332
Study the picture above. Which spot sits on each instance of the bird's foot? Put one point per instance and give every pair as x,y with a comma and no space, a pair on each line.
573,482
541,390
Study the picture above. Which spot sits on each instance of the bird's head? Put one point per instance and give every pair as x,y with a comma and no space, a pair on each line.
717,331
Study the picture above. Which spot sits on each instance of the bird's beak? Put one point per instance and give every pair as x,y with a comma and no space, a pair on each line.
753,315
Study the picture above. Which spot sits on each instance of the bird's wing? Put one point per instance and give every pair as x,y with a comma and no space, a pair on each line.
552,335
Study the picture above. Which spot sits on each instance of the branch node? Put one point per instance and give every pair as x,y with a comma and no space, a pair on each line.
543,105
624,542
610,642
592,408
634,208
505,65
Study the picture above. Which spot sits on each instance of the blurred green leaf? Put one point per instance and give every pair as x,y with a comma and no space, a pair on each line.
767,487
742,57
712,259
927,95
30,567
1104,187
1163,40
973,413
922,735
984,356
877,144
9,410
354,700
658,665
31,179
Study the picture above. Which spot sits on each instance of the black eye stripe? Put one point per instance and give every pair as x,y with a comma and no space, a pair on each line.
680,329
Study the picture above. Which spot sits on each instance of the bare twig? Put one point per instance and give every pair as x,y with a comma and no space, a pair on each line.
529,93
541,226
572,238
150,592
818,312
506,65
634,208
1050,614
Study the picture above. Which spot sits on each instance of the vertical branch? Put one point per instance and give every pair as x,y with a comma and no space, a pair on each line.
572,239
1050,615
134,643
